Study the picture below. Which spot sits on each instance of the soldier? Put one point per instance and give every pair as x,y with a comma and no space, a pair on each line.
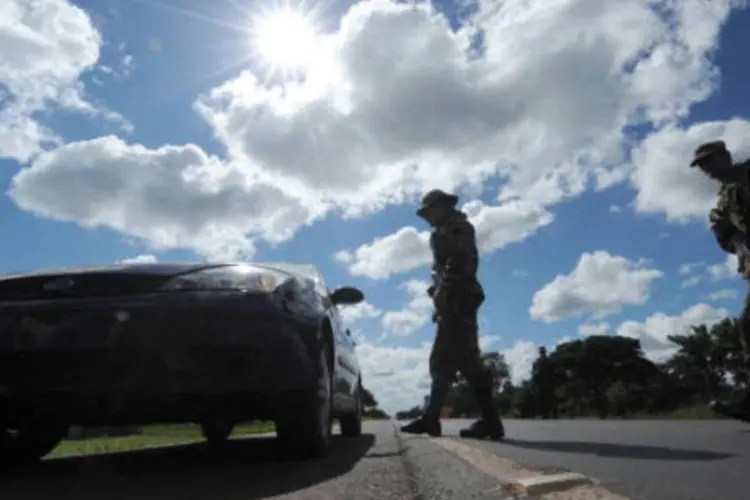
729,223
457,295
544,385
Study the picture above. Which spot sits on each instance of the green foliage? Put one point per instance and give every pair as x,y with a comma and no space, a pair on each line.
608,375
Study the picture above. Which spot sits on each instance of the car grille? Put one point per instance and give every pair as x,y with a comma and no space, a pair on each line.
79,285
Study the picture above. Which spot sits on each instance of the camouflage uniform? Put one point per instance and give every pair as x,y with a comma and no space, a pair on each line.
459,296
731,219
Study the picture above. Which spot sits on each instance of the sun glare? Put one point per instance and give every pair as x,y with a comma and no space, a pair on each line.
285,39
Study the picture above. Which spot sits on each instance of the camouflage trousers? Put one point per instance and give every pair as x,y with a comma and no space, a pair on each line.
456,350
744,330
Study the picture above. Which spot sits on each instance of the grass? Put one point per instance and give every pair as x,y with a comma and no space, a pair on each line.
154,435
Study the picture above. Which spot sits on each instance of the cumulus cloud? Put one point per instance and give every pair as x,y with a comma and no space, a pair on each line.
140,259
726,294
695,273
724,270
395,253
358,312
601,284
520,358
399,102
414,315
170,197
45,46
588,329
654,330
665,183
496,227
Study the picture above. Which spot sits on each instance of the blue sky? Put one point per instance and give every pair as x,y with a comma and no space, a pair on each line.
170,130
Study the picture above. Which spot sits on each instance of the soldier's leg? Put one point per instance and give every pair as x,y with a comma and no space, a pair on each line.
443,368
479,377
443,372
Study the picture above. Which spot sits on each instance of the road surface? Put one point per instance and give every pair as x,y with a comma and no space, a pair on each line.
655,460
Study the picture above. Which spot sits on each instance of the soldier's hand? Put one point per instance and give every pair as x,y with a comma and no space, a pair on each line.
744,268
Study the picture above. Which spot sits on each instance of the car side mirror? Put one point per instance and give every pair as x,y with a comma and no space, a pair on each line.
347,295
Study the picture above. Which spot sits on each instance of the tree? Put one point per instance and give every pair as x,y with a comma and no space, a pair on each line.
368,400
698,362
587,368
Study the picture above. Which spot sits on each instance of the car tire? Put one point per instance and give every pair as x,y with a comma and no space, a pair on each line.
28,445
304,429
351,423
216,431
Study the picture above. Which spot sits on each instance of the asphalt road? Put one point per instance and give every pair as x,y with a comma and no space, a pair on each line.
649,460
656,460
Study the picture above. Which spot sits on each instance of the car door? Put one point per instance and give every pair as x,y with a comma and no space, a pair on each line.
343,379
347,358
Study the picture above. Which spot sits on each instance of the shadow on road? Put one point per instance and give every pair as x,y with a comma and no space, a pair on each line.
619,450
247,469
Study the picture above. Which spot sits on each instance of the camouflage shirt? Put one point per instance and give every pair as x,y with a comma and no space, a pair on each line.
732,212
454,252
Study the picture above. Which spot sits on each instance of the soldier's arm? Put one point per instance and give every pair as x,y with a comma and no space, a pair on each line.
739,173
722,227
461,253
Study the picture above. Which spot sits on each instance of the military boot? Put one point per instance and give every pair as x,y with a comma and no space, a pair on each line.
489,426
484,428
424,425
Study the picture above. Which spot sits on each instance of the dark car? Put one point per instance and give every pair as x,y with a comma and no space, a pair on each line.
213,344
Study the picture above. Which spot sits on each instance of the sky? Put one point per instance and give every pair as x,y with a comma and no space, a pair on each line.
176,130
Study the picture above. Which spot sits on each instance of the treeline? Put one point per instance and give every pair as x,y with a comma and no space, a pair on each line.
608,375
370,407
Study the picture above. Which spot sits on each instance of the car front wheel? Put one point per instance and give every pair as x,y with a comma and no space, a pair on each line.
216,431
304,429
351,424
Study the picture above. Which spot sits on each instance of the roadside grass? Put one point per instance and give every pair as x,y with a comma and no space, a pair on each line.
149,436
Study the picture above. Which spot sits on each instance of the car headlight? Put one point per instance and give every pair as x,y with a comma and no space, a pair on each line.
249,278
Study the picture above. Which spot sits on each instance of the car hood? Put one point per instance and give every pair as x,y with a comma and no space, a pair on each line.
145,269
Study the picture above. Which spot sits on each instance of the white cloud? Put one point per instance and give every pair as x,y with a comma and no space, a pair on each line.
588,329
615,209
666,184
654,331
398,103
724,270
416,314
691,281
696,273
600,284
726,294
140,259
496,227
690,268
401,251
520,358
45,46
170,197
358,312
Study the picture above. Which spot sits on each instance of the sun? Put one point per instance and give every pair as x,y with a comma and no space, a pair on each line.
286,39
